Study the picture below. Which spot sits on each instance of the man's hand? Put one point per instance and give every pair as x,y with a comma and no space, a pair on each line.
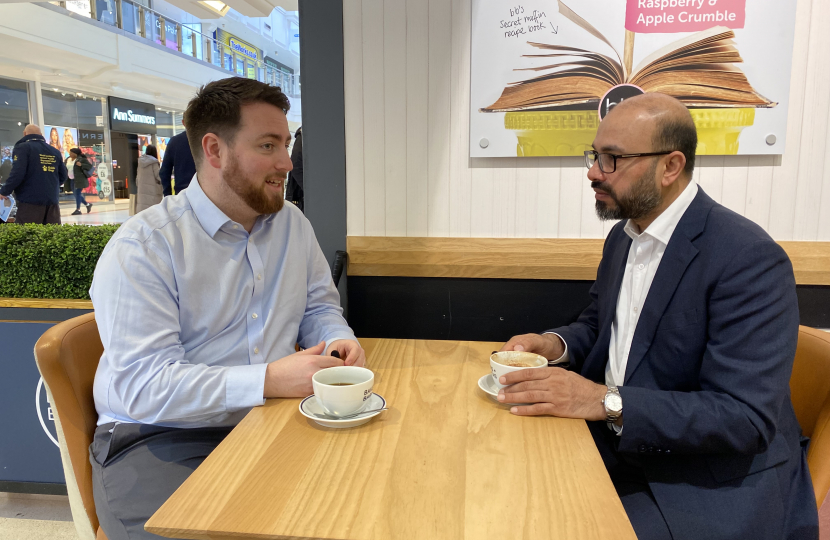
350,351
554,391
291,376
548,345
3,197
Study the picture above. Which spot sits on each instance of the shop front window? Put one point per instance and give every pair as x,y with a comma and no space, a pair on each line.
130,17
106,11
75,120
171,39
14,116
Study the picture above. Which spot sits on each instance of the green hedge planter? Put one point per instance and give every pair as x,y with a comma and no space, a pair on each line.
50,261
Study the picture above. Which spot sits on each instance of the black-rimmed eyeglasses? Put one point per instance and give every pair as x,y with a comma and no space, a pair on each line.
608,162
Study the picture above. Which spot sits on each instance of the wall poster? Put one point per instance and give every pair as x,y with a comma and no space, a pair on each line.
543,72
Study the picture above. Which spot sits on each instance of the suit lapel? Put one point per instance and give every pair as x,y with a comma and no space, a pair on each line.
679,253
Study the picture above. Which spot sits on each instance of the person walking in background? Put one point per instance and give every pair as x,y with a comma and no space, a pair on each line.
147,180
178,161
37,173
294,189
79,170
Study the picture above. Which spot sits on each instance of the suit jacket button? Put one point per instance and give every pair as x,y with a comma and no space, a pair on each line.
651,449
641,448
668,451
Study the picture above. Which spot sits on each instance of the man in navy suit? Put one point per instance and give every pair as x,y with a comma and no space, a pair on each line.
681,363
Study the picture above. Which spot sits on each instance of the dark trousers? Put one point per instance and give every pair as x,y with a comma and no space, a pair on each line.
79,198
632,488
136,468
35,213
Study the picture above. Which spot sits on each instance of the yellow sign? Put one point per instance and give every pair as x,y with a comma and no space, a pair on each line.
243,49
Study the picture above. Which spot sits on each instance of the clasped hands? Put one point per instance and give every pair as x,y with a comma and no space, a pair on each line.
291,376
553,391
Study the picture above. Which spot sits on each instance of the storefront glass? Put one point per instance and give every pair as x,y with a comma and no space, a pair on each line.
75,120
14,115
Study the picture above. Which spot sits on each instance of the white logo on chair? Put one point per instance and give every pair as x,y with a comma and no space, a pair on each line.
44,409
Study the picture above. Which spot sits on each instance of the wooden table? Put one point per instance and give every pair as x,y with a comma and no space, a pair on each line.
445,462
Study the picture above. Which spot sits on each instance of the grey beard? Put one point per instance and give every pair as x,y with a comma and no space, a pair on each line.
642,199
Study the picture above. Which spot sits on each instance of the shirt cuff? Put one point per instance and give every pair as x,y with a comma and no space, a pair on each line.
245,387
564,359
617,429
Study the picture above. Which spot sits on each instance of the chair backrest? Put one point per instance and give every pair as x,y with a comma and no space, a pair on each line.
810,390
67,356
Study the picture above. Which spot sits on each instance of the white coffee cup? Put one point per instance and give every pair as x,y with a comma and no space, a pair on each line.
509,361
338,400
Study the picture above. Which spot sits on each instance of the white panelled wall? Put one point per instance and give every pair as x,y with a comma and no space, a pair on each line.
407,78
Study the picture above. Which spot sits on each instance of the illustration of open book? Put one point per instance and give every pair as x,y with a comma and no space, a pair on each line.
698,70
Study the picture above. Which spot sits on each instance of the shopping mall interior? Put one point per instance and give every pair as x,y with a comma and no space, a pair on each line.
463,194
71,66
68,66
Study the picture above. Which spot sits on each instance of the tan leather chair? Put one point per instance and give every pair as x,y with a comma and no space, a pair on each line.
67,356
810,389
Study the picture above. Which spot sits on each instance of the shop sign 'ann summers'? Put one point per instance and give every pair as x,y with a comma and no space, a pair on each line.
129,116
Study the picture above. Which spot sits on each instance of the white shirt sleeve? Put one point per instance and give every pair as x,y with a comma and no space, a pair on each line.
564,359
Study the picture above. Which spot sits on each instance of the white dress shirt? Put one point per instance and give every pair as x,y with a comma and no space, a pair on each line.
191,308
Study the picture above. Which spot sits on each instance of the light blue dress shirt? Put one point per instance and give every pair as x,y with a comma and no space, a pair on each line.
191,309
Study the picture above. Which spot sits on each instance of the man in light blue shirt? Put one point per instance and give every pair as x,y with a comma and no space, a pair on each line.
199,302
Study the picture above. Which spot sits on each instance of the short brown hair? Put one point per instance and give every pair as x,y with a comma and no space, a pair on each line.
217,108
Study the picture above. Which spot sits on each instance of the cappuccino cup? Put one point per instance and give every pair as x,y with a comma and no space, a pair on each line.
343,390
508,361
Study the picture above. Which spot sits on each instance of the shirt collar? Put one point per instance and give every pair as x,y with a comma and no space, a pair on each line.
663,226
208,214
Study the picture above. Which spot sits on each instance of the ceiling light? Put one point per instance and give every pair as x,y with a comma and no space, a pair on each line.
55,89
220,8
20,123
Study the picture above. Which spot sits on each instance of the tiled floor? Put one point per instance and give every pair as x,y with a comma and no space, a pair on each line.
102,213
35,517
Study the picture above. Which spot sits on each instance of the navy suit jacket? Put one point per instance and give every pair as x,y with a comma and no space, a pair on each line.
178,161
706,406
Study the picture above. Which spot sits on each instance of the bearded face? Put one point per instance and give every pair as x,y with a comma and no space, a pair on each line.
638,202
264,194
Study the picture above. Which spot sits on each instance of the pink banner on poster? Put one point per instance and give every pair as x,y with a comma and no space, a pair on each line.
674,16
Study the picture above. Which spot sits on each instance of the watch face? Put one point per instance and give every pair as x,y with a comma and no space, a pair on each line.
613,402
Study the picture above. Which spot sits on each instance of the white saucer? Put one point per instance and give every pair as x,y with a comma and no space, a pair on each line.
310,408
487,384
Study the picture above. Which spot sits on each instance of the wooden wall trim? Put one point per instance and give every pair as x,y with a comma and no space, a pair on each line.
44,303
523,258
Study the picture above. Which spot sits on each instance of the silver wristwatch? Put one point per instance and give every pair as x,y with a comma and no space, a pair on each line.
613,405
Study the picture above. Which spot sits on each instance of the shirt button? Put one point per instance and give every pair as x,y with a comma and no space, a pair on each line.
236,226
256,350
636,310
250,239
259,277
253,316
641,266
